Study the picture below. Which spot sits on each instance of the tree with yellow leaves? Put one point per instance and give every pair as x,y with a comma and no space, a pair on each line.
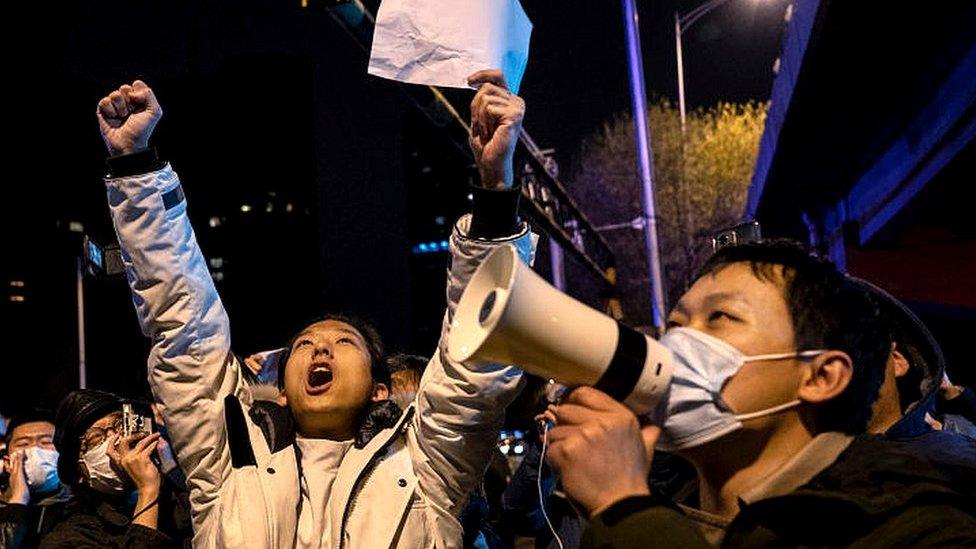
701,180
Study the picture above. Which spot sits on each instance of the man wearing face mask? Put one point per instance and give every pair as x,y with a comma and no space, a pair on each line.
33,498
778,359
115,481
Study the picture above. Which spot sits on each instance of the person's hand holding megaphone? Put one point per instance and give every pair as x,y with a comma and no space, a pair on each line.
600,450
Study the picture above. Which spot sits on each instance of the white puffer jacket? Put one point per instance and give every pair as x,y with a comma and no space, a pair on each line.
405,488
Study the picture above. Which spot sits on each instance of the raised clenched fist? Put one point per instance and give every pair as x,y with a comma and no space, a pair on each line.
127,116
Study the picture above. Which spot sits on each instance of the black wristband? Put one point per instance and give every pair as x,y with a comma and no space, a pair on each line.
494,212
137,163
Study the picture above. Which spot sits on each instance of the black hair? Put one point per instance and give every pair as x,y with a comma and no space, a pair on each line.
406,371
29,416
398,362
378,367
827,312
910,384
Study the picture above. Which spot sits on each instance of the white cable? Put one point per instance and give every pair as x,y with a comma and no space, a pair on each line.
542,500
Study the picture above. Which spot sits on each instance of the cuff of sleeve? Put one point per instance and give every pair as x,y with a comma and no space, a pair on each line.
632,522
137,163
14,513
494,213
144,536
628,506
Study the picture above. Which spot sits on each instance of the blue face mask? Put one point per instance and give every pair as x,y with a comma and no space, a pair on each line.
41,467
696,413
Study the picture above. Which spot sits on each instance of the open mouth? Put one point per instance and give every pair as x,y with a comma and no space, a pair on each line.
319,379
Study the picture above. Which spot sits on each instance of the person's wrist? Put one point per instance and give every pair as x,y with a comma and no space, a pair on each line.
497,177
148,491
21,497
128,149
612,498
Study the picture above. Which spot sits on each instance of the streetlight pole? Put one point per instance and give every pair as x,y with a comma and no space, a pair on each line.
681,25
645,160
681,69
80,297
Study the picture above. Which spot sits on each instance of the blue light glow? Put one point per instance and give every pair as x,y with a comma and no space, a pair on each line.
431,247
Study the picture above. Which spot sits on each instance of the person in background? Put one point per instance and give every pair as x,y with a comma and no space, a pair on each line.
115,482
4,420
521,502
955,408
916,395
405,374
33,498
912,371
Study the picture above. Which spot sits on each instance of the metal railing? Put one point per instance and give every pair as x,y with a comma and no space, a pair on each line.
551,208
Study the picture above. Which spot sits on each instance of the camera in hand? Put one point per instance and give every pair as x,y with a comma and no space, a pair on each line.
134,422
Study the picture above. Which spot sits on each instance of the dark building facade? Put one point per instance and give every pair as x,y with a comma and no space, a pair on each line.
869,151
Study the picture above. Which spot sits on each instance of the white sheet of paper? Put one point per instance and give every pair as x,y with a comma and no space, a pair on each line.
441,42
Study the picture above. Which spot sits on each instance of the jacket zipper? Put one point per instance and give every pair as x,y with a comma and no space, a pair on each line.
363,477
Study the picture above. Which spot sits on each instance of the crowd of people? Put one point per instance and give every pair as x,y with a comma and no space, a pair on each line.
806,408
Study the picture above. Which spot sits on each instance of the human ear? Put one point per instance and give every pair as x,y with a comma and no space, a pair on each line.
901,363
829,375
380,392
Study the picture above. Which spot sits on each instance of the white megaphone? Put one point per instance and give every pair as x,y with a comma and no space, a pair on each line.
510,315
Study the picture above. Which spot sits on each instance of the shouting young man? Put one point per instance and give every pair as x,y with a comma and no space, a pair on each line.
340,466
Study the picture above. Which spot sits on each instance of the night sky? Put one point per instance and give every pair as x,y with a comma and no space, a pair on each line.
247,89
577,79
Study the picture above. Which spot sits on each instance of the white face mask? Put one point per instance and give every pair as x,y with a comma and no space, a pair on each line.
702,363
41,466
101,476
